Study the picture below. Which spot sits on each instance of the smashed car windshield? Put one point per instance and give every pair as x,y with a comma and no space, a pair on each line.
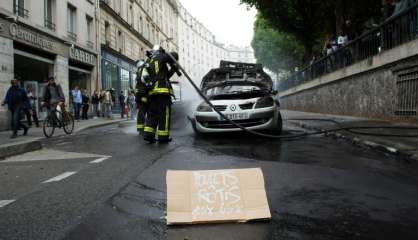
232,89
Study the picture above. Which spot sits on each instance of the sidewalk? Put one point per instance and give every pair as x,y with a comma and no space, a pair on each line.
401,146
31,142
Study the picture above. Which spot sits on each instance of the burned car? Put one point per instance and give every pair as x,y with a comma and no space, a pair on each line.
244,93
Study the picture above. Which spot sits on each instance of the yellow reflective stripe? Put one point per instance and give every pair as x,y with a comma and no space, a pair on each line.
140,126
149,130
159,90
157,67
167,118
166,133
163,133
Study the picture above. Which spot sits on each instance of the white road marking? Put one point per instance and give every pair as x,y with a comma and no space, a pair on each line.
60,177
100,160
4,203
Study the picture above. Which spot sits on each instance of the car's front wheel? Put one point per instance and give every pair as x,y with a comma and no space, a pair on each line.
279,125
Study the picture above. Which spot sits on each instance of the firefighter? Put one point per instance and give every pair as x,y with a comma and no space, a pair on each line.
141,97
161,68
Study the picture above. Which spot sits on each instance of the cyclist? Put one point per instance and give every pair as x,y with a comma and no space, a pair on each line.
53,96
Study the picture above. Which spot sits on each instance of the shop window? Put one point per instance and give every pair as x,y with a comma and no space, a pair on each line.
124,79
110,75
71,22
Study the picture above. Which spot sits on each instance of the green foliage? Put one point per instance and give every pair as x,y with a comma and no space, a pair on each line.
277,51
311,21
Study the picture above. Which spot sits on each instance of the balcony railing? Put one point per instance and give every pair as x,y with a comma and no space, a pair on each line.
21,11
90,44
72,36
395,31
50,25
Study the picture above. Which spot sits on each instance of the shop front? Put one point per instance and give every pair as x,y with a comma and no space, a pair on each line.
82,70
33,57
118,73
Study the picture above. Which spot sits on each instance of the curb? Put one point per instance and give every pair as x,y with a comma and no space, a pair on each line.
126,123
98,125
12,149
363,143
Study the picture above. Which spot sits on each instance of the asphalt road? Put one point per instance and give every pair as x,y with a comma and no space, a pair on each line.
106,183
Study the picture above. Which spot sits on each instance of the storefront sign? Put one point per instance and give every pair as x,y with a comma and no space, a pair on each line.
82,56
33,38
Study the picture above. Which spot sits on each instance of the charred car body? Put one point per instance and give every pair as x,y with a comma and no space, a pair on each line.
244,93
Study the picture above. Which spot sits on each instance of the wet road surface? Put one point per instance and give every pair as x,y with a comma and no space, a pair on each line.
317,187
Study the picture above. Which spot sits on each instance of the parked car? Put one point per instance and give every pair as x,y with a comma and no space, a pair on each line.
243,93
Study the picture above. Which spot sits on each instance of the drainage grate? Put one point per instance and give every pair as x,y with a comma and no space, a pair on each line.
407,85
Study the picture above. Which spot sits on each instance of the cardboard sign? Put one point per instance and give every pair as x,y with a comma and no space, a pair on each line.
236,195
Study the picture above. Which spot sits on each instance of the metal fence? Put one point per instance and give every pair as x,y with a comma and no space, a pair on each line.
393,32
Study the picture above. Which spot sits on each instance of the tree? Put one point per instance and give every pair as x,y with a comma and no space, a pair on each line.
277,51
311,21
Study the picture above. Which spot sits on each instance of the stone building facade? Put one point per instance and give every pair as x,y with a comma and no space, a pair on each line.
36,42
127,29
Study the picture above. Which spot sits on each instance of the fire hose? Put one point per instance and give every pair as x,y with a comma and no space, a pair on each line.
339,128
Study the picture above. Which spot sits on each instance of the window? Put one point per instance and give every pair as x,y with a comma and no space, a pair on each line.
124,79
141,27
131,15
118,6
120,41
19,8
71,22
90,31
107,33
49,14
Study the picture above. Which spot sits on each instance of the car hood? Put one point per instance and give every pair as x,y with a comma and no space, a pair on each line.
232,73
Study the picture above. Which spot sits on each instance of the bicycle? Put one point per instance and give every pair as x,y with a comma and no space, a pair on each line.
58,119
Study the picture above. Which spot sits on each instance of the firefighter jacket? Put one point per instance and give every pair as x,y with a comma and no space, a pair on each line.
160,64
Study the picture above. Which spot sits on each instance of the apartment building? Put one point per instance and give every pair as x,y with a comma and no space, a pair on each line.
199,51
127,29
43,38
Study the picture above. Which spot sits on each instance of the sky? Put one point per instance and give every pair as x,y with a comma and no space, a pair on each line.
231,22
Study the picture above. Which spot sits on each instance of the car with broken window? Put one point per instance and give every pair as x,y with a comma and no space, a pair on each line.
244,93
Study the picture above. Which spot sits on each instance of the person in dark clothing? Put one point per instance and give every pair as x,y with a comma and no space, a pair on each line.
30,110
95,100
15,99
86,105
141,97
162,68
122,104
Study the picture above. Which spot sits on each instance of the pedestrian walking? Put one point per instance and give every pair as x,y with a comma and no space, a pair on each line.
95,101
15,100
86,105
77,102
130,102
31,108
158,118
122,102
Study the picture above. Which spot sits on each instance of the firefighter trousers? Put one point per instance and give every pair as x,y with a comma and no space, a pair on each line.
142,114
158,118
